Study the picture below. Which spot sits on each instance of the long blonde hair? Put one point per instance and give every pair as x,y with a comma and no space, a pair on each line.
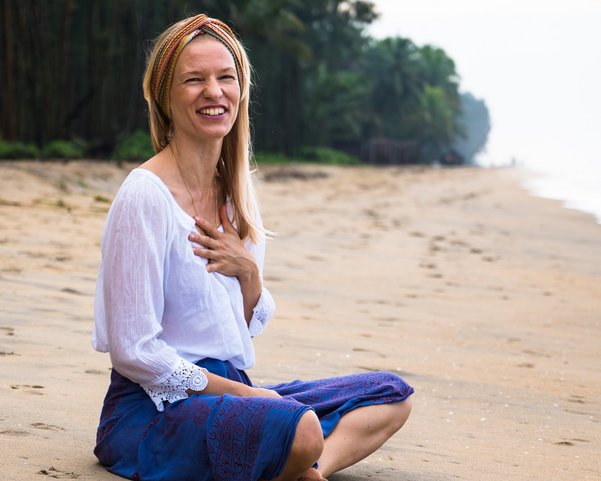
236,152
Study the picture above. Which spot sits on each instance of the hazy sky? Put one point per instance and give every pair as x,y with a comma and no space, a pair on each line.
536,63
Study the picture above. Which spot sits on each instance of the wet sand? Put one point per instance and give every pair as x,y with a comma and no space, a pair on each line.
487,300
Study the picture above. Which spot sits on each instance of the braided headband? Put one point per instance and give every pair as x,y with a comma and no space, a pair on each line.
164,65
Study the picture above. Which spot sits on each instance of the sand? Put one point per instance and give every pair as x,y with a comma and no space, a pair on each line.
487,300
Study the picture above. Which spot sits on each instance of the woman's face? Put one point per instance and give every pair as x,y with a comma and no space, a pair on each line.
205,94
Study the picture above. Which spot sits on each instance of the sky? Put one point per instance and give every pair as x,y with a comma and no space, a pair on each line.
536,63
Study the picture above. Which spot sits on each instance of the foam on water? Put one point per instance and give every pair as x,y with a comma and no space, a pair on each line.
577,186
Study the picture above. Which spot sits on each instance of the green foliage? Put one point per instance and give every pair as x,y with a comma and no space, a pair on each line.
64,149
475,122
318,155
136,146
272,158
319,78
17,150
336,106
325,155
437,117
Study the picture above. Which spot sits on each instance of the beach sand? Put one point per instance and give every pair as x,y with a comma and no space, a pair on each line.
487,300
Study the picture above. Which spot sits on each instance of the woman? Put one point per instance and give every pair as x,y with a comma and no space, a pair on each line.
180,296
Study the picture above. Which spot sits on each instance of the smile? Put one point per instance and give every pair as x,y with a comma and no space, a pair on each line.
212,111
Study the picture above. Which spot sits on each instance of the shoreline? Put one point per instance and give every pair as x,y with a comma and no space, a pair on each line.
575,194
484,297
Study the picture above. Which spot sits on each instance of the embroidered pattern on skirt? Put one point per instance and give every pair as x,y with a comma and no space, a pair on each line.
225,438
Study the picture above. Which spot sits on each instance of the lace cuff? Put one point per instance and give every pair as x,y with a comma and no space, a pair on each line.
262,312
173,388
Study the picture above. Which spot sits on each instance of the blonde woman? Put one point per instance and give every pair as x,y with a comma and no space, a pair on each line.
180,296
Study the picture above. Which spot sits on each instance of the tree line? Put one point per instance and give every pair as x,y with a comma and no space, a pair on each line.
72,70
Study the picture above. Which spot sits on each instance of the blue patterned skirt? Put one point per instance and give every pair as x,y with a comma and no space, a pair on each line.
225,438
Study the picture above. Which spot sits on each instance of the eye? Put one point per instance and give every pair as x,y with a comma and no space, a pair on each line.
228,77
193,80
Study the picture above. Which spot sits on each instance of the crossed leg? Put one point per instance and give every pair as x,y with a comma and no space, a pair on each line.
360,433
306,448
357,435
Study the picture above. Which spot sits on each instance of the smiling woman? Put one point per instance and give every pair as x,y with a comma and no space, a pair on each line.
205,93
180,296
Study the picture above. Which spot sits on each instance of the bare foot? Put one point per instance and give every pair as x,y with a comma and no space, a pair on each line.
311,474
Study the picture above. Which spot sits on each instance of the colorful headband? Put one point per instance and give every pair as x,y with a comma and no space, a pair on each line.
164,65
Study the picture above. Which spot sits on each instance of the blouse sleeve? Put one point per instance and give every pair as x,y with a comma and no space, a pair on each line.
134,251
265,307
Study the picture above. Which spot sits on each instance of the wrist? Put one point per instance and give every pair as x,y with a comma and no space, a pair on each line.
244,391
250,274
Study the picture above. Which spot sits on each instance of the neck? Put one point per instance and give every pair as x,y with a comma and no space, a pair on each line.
197,162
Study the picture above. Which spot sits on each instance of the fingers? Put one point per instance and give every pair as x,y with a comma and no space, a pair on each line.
263,392
203,240
225,220
207,227
206,253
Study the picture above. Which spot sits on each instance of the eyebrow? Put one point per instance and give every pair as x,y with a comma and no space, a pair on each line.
200,72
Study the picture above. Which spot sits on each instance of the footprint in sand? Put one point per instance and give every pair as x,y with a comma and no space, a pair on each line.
9,331
272,279
526,364
70,290
94,371
435,275
14,432
52,472
47,427
434,249
361,349
29,388
33,255
535,353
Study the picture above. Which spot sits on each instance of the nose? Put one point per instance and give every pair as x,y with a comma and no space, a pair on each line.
212,88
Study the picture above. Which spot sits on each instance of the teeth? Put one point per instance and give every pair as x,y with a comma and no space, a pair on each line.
212,111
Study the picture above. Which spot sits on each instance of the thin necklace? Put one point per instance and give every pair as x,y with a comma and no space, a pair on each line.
188,188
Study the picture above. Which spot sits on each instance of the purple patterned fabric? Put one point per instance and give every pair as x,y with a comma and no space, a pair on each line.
224,438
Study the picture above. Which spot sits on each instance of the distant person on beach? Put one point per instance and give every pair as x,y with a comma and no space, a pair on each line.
180,296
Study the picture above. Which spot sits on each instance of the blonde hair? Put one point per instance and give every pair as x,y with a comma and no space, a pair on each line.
236,152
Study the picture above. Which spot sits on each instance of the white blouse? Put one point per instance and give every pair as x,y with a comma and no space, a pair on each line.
157,309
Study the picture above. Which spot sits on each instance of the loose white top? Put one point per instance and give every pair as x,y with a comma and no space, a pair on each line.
157,309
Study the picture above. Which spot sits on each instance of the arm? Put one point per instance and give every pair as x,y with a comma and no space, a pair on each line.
219,385
133,255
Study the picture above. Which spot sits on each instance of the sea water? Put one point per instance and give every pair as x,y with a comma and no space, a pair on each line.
576,184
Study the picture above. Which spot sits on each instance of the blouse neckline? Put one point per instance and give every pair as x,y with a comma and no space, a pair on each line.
181,213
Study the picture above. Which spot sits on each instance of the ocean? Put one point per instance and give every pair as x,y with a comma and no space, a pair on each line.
577,185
